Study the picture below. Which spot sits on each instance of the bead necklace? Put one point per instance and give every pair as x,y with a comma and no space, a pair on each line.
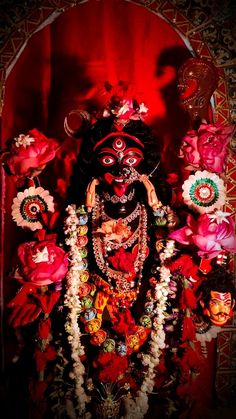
122,283
131,217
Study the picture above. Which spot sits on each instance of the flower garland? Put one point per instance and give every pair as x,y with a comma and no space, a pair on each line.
157,344
72,301
137,407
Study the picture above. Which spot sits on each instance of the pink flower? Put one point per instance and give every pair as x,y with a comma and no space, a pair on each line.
207,147
27,155
189,149
208,234
42,263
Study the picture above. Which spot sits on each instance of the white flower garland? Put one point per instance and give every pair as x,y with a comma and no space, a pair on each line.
138,407
72,301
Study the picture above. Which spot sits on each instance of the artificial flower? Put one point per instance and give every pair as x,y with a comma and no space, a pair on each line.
204,192
212,145
209,236
44,328
185,265
26,155
42,357
47,300
25,309
42,263
189,150
111,367
115,230
122,321
188,299
188,331
29,205
123,261
206,148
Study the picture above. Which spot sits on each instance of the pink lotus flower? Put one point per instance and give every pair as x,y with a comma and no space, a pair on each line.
210,234
27,155
206,148
42,263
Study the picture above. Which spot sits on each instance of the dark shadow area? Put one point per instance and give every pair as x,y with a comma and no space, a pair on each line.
176,121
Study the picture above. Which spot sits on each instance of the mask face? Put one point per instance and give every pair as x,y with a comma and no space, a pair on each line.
219,308
115,155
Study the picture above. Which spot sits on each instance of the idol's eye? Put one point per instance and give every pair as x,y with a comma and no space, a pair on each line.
107,160
132,160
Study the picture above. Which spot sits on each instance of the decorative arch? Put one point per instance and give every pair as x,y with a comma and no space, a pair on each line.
190,19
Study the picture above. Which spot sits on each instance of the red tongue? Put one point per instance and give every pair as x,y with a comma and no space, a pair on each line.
120,189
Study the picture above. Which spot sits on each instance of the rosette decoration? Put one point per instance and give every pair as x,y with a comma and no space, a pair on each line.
27,155
206,148
204,192
211,233
29,205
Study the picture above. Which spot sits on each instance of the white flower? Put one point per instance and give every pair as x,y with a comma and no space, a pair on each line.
219,216
23,140
41,256
29,205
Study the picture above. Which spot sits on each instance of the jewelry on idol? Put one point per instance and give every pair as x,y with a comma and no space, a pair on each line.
99,250
131,217
132,175
153,201
115,199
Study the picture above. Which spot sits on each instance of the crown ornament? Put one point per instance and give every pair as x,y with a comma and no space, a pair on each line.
117,101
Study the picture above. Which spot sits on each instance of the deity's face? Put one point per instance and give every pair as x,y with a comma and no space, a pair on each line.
119,155
219,307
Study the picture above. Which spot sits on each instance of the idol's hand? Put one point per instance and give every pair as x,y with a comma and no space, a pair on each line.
90,194
153,201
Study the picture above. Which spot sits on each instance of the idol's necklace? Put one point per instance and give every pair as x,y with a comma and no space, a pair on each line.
99,249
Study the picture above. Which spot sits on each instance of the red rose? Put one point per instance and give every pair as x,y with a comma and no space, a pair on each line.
42,263
27,155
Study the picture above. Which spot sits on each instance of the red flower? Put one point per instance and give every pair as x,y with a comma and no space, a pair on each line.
188,299
122,322
42,263
185,266
42,357
47,300
27,155
44,329
123,261
111,367
188,329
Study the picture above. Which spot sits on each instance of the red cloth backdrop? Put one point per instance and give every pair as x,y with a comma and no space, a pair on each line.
64,66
